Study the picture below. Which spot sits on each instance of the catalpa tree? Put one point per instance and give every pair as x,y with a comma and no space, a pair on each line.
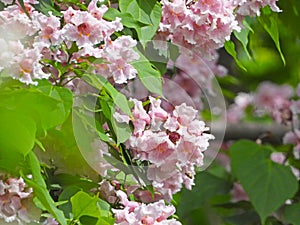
149,112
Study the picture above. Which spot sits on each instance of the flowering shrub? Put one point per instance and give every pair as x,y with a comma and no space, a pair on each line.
111,110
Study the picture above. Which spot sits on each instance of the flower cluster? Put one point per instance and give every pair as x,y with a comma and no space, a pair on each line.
276,101
269,98
135,213
206,24
252,7
28,44
13,193
200,71
19,59
172,142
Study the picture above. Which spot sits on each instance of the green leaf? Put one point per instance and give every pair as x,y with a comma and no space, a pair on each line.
46,110
126,18
88,122
11,161
147,12
292,213
122,130
268,184
46,6
100,82
246,218
17,132
206,187
149,75
67,193
61,142
65,101
84,205
242,36
40,189
269,21
230,48
106,215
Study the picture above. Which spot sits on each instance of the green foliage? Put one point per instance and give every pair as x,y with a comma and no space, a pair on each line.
243,37
292,214
269,21
84,205
268,184
230,48
206,186
147,12
128,20
18,129
26,114
118,98
149,75
40,188
46,6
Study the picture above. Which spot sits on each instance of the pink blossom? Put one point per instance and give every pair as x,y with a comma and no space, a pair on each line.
99,162
12,192
252,7
7,2
295,107
275,99
50,221
293,137
49,29
203,26
185,114
197,73
135,213
15,25
96,11
172,144
119,53
278,157
238,193
157,114
69,14
235,112
83,28
141,118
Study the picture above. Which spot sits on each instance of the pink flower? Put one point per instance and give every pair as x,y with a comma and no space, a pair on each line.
100,163
252,7
141,118
68,14
96,11
49,29
50,221
157,114
274,99
119,53
12,208
235,112
293,137
238,193
135,213
7,2
184,114
203,26
171,143
83,28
